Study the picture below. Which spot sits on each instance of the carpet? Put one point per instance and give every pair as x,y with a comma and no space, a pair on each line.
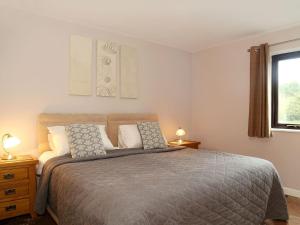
26,220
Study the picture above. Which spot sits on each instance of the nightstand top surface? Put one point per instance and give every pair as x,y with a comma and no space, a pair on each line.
184,142
19,160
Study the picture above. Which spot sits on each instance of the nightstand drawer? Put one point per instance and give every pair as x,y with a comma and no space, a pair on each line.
192,145
14,208
13,190
13,174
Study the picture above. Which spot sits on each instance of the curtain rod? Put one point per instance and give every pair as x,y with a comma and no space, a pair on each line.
282,42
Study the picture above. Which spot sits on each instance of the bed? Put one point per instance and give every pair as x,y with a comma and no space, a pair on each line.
172,186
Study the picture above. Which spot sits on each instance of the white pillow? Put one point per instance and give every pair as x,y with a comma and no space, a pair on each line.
129,136
43,158
165,139
61,143
107,143
50,141
59,140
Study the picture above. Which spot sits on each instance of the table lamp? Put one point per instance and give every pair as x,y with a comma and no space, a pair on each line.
9,141
180,132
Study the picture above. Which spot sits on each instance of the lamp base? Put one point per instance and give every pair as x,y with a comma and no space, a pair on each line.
180,141
8,157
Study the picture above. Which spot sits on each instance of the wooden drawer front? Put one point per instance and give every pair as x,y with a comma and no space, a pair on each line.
13,174
14,208
13,190
192,145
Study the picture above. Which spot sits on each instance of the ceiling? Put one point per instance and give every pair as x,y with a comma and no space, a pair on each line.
190,25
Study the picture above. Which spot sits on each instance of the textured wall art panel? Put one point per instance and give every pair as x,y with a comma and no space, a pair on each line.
107,55
80,74
129,72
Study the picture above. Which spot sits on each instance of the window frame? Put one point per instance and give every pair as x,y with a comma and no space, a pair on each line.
274,121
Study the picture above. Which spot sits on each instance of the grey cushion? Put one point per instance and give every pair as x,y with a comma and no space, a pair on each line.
151,135
85,140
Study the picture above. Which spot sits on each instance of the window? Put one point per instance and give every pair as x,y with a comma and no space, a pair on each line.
286,90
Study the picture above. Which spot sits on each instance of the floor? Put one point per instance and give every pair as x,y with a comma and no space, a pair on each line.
26,220
294,212
293,204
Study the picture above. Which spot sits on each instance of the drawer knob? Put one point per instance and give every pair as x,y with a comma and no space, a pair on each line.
9,176
11,191
10,208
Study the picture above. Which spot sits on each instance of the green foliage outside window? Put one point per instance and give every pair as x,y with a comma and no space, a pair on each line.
289,103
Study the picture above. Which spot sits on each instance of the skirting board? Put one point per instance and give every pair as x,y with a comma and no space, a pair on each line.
292,192
52,214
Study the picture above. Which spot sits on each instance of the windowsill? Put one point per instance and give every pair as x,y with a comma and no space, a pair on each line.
285,130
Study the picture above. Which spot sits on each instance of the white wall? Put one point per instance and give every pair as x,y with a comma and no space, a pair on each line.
34,63
208,92
220,100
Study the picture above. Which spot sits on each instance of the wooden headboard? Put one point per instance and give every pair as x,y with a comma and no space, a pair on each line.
112,122
47,119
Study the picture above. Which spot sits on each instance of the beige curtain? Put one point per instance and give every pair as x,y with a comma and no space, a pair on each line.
258,125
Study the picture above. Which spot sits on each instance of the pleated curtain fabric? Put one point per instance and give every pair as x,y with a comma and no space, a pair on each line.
258,125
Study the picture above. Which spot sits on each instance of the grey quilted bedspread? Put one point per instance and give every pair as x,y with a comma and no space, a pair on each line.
162,187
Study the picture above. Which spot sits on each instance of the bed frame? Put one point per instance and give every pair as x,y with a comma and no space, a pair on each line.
112,122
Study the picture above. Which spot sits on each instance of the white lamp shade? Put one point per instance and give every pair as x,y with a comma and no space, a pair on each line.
180,132
11,142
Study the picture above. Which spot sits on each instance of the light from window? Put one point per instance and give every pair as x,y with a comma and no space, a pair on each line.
286,90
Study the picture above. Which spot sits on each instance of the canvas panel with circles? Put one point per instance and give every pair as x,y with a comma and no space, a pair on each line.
116,61
107,53
116,68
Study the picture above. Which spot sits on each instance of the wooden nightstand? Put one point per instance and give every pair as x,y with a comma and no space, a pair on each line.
17,186
186,143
